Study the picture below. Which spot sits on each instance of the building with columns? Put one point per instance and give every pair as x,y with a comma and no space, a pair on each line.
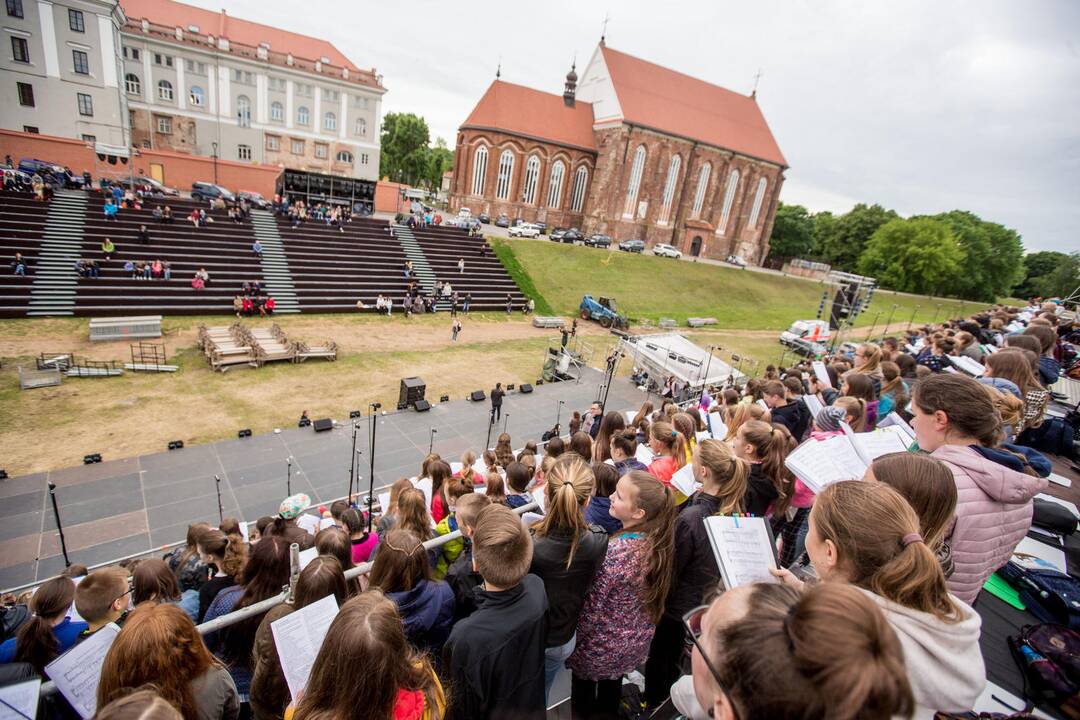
171,76
634,150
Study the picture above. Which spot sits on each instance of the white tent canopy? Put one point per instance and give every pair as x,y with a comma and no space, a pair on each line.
665,354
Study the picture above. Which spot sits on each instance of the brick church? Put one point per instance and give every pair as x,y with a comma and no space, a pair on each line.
634,150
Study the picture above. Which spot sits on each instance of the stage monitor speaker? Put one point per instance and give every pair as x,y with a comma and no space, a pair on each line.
3,475
422,406
353,414
245,433
525,388
412,389
444,398
176,445
323,424
477,395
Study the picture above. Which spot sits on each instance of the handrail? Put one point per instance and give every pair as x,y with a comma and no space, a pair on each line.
49,687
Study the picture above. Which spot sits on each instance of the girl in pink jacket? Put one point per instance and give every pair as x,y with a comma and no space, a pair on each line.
955,420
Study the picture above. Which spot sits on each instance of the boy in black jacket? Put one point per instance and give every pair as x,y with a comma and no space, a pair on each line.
495,657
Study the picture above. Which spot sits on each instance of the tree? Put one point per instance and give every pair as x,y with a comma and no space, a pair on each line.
793,232
1037,267
1064,278
843,245
993,257
440,159
824,229
918,255
404,151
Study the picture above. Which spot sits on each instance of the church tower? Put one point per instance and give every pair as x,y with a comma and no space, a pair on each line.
570,91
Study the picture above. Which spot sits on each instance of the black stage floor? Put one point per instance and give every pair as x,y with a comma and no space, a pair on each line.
121,507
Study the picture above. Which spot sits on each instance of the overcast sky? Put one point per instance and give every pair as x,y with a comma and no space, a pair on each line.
922,106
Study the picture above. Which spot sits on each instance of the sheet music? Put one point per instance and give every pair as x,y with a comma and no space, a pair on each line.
73,612
23,697
821,373
298,637
684,481
820,463
630,415
306,556
719,428
479,467
539,497
703,435
877,443
644,454
846,458
245,531
1033,554
743,549
384,502
971,367
763,404
308,522
813,404
76,672
425,487
455,468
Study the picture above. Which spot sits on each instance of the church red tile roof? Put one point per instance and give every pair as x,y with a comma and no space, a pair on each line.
520,110
674,103
244,32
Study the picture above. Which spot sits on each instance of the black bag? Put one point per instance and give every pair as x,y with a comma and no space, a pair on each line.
1049,595
1053,517
1055,436
11,619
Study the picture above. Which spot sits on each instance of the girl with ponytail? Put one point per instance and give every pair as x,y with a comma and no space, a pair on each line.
567,552
626,598
669,446
765,447
866,534
49,632
723,479
225,557
623,452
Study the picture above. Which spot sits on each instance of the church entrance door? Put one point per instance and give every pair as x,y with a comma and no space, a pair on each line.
695,246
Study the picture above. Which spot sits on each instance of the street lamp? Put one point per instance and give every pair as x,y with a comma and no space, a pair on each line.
214,155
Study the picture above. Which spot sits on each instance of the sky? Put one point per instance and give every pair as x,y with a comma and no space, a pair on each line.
922,106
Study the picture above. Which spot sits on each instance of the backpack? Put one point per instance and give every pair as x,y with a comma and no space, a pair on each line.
1055,436
1051,596
1049,659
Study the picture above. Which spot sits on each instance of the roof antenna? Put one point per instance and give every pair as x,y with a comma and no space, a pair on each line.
603,29
757,77
498,70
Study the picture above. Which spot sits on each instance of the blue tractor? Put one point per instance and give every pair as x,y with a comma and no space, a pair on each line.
603,311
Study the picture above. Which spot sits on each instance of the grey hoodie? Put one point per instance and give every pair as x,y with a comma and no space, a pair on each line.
944,663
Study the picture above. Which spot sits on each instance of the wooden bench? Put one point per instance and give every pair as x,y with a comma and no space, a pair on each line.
123,328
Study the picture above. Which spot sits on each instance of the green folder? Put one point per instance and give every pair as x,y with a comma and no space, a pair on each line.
999,588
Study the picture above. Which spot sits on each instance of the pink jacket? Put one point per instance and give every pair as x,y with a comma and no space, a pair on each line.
993,514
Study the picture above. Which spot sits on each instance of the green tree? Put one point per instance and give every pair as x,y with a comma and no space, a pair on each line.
918,255
993,256
1064,278
843,245
404,152
1037,266
793,232
824,229
440,159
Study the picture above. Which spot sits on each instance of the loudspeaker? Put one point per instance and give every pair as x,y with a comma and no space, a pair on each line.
304,422
245,433
176,445
91,459
353,414
412,389
510,387
477,395
444,398
422,406
323,424
525,388
3,475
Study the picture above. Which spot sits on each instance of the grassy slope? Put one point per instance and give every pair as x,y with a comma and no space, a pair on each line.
650,287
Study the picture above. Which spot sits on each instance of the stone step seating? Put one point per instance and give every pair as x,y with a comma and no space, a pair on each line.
22,227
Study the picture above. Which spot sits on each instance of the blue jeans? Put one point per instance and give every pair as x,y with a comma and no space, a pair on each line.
554,661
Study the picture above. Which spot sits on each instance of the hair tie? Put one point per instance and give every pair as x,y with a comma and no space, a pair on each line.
911,538
673,434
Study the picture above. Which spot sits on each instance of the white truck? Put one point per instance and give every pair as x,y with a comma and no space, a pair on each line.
808,337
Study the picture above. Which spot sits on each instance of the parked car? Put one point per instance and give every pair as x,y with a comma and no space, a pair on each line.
572,235
204,191
663,250
526,230
634,246
502,221
484,218
557,234
598,241
541,226
736,261
52,174
254,199
154,187
517,221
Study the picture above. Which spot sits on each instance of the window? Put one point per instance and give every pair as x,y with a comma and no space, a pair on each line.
479,174
345,157
243,110
26,94
729,197
360,101
243,152
132,84
302,90
14,8
702,188
81,61
132,53
361,127
669,190
330,95
321,150
558,170
532,174
330,121
277,111
302,116
363,158
163,60
243,77
276,83
195,67
273,142
89,138
75,20
164,125
577,197
164,90
297,147
20,51
506,174
86,104
31,129
636,169
755,211
197,96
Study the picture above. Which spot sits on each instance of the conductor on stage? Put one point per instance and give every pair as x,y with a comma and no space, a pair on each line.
496,402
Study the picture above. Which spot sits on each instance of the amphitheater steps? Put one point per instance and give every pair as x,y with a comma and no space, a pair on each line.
421,266
53,290
275,265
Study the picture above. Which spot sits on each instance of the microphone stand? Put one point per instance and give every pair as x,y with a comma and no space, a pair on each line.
220,510
352,461
374,407
506,422
288,478
558,412
59,527
431,442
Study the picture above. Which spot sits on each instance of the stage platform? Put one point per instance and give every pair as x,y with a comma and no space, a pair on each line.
120,507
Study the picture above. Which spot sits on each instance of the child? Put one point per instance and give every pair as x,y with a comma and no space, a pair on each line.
765,447
626,598
467,471
461,576
517,477
860,386
389,513
49,632
456,490
623,450
854,411
102,597
791,414
363,542
598,511
669,446
439,472
495,488
495,657
504,454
